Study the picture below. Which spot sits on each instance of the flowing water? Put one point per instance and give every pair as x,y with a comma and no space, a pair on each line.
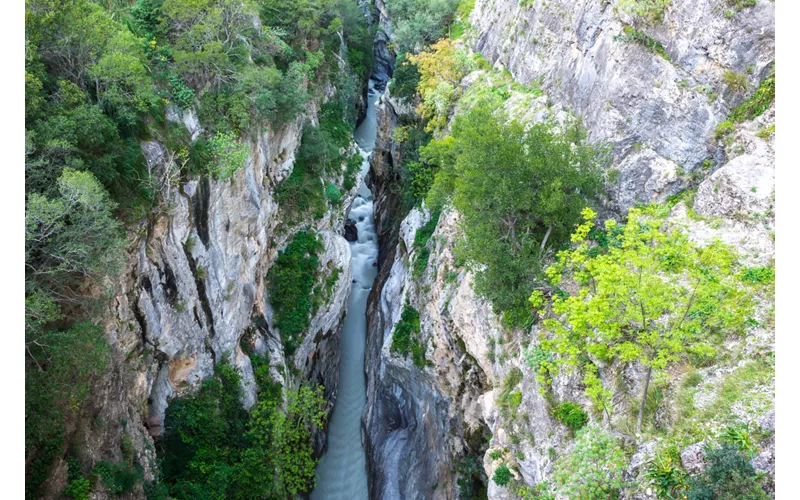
342,471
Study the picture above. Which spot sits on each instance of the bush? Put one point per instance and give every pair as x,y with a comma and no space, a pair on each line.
405,337
571,415
755,105
728,475
666,475
593,469
631,34
229,155
736,81
78,489
649,10
421,238
502,475
290,282
118,477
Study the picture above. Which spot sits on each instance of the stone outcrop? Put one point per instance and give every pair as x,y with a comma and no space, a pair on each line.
657,114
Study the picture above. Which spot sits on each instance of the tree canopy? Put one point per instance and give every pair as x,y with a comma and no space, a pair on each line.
519,190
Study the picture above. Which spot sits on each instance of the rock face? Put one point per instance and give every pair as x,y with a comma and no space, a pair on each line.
194,286
656,113
659,117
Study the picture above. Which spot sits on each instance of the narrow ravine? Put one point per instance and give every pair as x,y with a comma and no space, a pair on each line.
342,472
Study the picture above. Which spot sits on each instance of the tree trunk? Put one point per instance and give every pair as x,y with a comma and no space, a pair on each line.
644,398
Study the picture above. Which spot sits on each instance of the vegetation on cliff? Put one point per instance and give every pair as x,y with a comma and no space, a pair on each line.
101,78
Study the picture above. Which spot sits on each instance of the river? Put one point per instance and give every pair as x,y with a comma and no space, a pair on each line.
342,471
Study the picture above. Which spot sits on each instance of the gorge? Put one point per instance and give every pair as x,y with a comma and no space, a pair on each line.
304,311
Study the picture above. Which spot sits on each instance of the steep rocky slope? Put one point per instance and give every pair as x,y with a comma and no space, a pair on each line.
193,289
659,115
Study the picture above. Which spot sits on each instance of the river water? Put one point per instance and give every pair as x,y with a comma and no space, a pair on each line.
342,471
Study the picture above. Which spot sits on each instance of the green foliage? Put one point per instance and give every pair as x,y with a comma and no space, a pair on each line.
571,415
502,475
405,79
759,274
79,489
755,105
302,191
333,194
666,475
229,155
728,475
741,4
635,35
212,447
421,238
60,367
735,81
290,282
593,469
648,10
118,477
470,474
652,296
441,67
406,337
538,183
419,22
739,435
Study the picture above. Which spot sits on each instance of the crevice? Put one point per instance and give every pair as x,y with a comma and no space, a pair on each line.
201,292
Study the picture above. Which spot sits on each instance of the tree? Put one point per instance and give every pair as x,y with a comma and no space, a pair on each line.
71,237
518,191
441,68
645,294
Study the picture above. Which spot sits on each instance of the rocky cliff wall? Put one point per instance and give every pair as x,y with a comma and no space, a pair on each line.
659,117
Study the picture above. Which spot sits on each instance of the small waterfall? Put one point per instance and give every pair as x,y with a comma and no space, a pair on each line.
342,471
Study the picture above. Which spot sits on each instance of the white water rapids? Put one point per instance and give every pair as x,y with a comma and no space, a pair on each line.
342,471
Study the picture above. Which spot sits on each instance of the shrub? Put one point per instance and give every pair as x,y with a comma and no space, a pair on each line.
502,475
593,469
631,34
728,475
759,275
78,489
667,476
756,104
649,10
118,477
405,337
736,81
290,282
333,194
421,238
229,155
571,415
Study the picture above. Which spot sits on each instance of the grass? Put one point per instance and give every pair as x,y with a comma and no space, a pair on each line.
635,35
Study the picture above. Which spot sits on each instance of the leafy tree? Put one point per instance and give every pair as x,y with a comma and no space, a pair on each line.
440,69
71,237
420,22
517,191
229,155
650,296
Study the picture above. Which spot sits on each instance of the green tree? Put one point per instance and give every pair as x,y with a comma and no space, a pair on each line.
649,296
518,192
